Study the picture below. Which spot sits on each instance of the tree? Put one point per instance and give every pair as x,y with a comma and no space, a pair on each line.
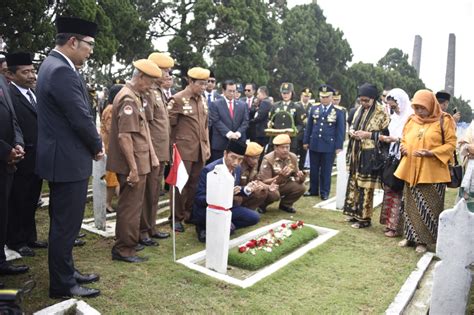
463,107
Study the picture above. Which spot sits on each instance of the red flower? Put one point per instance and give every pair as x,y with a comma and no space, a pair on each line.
300,223
294,226
251,244
242,249
283,225
262,242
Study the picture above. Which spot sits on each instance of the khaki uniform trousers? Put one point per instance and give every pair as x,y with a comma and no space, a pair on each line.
289,193
150,203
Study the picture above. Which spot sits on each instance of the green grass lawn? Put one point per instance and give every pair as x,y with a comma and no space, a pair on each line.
355,272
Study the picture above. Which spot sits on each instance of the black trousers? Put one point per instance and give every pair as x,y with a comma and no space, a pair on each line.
23,202
66,211
6,180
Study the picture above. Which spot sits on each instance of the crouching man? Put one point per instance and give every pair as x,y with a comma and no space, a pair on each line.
241,216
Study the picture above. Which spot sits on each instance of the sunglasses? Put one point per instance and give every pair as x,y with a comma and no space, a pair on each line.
211,81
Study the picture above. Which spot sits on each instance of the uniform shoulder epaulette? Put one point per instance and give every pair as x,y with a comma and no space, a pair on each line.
340,107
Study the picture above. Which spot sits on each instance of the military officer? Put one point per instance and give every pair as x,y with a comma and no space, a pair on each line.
305,102
280,167
131,157
188,113
158,122
324,136
249,172
287,107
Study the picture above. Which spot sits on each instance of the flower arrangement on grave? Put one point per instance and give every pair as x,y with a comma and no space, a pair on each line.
269,247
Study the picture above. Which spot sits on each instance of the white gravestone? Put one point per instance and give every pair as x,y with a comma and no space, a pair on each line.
220,195
99,191
455,247
341,180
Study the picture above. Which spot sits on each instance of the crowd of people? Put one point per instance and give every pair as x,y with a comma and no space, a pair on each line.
47,132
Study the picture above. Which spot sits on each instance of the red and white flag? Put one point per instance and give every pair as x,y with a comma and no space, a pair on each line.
178,175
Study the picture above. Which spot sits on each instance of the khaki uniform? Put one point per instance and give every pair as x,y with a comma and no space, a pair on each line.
257,197
128,116
291,188
158,122
189,130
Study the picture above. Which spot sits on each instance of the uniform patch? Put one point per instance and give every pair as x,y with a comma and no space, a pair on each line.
128,110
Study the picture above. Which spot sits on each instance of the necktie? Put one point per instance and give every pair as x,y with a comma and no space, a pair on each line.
324,110
249,101
32,99
231,109
209,99
168,94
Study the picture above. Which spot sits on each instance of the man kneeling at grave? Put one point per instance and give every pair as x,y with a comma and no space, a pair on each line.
241,216
249,172
281,167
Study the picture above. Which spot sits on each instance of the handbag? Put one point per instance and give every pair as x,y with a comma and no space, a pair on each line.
455,171
388,179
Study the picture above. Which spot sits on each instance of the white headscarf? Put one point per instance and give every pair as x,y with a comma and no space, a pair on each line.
397,121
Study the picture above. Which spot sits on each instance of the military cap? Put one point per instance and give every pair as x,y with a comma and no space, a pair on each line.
306,92
286,87
337,95
148,67
253,149
198,73
236,146
19,59
325,90
282,139
162,60
76,26
441,95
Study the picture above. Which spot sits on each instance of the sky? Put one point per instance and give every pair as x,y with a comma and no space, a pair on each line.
372,27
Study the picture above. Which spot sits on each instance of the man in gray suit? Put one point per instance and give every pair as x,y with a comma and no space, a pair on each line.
67,142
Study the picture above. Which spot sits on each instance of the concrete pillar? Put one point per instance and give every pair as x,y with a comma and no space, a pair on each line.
341,181
416,58
99,191
451,65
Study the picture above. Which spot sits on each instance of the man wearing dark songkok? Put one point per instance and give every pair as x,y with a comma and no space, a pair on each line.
68,141
444,98
241,216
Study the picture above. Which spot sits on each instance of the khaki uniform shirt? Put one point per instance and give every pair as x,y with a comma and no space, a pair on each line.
128,116
247,174
159,124
272,166
189,122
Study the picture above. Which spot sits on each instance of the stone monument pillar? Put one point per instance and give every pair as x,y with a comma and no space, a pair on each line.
451,65
342,178
219,197
99,191
416,58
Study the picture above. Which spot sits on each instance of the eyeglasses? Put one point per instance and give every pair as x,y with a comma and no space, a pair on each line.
211,81
91,43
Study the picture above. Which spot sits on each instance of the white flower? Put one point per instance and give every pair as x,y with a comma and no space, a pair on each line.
268,249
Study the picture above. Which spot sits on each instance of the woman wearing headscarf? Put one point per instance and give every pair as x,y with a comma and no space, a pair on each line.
106,120
363,158
424,168
400,105
466,151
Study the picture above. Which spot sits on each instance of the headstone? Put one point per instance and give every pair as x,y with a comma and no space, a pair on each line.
455,248
220,195
416,58
341,180
451,65
99,190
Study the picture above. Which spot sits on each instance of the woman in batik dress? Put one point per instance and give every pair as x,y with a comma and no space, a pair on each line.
424,168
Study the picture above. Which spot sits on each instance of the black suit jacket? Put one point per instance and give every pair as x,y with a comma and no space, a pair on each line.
67,136
261,116
27,119
10,132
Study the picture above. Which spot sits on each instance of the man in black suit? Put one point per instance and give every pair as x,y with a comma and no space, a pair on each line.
11,152
67,142
261,116
229,120
26,186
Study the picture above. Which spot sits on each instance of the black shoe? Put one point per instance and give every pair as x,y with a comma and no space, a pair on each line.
139,247
25,251
161,235
76,291
148,242
78,242
201,234
38,244
179,227
287,209
262,210
130,259
85,278
308,194
323,197
8,269
81,235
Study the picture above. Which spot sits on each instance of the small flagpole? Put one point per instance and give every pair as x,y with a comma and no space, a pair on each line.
174,232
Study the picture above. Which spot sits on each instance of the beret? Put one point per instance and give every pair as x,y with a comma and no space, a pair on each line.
253,149
162,60
148,67
282,139
199,73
